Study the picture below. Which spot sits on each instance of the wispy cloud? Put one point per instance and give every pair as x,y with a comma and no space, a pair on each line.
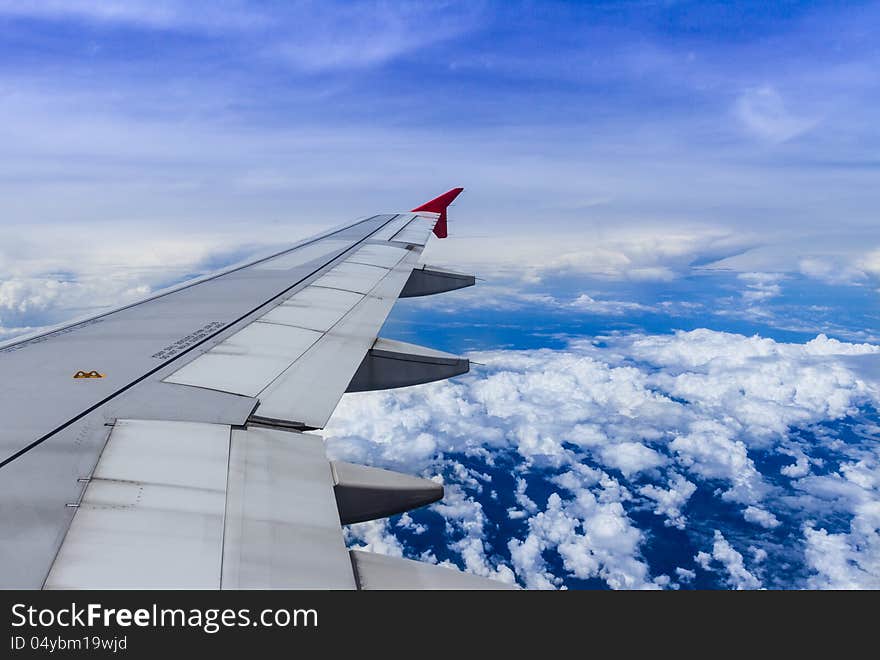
152,14
638,253
307,35
870,263
843,269
760,287
325,37
763,112
587,303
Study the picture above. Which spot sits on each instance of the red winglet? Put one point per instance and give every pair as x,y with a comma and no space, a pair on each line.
438,205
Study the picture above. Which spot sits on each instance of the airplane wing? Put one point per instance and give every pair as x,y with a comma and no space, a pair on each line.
162,444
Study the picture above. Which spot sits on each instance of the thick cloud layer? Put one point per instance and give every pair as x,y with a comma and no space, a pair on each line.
603,431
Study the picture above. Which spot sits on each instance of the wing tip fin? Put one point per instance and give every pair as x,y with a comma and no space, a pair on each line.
439,205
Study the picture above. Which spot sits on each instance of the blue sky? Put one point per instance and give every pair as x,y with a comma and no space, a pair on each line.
620,140
751,118
673,206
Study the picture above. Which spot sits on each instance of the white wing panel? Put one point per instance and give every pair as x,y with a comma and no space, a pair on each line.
352,277
315,308
386,256
303,255
249,360
310,389
416,232
139,451
299,358
282,524
393,227
207,508
141,524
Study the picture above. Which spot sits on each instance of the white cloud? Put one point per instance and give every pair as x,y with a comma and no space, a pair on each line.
508,297
522,499
800,467
710,452
25,302
631,457
154,14
374,536
731,562
870,263
704,560
669,502
847,560
586,303
357,36
763,113
685,575
18,331
593,539
681,411
851,559
466,521
766,386
833,270
761,517
406,522
760,287
23,297
528,560
644,253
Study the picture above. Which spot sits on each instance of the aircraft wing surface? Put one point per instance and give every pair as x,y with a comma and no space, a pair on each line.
163,444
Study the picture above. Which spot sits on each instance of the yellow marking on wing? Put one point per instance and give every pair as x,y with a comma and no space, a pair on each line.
87,374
